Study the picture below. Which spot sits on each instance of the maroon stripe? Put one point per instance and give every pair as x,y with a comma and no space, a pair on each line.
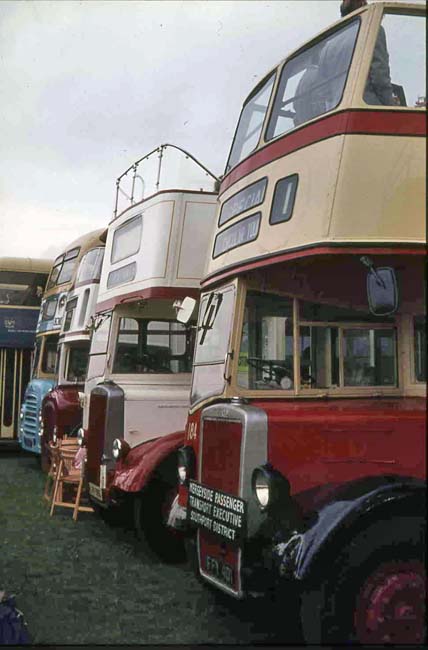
146,294
309,251
380,122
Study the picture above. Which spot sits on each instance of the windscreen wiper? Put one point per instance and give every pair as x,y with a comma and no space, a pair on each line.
210,314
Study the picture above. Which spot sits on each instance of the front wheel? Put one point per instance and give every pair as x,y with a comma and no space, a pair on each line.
151,510
375,592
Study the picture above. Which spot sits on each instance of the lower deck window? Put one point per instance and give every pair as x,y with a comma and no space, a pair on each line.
420,348
149,346
331,355
370,357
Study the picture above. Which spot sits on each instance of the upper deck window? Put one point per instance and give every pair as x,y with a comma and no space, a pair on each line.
68,267
149,346
63,268
312,82
397,74
127,239
21,288
90,266
250,124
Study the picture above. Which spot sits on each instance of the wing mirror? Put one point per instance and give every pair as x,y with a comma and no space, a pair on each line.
382,290
184,309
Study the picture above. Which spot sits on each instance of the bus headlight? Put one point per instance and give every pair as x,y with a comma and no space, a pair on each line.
120,449
81,437
55,434
269,487
186,464
21,415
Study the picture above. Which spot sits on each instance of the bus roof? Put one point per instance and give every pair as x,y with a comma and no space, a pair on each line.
25,264
87,241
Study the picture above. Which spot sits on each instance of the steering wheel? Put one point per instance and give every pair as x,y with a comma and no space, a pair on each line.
276,372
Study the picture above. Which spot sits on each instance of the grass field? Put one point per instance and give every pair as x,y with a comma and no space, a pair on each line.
85,582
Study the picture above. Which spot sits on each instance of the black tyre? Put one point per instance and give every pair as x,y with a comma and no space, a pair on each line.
375,589
151,510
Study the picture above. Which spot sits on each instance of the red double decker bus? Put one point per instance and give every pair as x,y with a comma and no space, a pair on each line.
303,469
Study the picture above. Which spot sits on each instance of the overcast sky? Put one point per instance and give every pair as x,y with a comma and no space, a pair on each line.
89,87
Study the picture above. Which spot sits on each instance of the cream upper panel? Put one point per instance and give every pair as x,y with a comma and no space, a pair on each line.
173,243
380,194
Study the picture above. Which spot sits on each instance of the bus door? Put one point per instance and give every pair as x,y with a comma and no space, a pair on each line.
15,365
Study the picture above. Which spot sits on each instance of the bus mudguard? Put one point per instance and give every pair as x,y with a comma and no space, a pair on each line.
348,509
134,472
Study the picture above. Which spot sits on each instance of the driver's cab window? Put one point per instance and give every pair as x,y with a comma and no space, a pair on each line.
50,354
77,362
266,354
397,74
151,346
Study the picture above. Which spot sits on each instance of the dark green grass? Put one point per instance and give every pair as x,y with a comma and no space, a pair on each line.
86,582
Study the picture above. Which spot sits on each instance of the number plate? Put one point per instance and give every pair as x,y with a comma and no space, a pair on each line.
95,491
219,570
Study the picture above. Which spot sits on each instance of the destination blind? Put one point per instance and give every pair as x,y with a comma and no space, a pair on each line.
222,514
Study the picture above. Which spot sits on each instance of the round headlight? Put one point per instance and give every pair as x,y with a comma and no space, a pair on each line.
80,437
270,487
186,463
120,448
261,489
21,415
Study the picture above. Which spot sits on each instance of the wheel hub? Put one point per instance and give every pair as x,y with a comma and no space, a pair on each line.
391,604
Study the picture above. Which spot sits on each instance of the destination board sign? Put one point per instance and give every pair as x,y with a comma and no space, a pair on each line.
217,512
244,200
18,327
240,233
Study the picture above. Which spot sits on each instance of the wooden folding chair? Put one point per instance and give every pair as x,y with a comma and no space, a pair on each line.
54,456
68,475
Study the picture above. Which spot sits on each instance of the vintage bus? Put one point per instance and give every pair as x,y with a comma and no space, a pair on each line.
303,469
61,409
22,283
44,367
138,380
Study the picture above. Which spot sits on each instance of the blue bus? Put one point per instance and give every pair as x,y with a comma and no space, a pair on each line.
52,310
22,283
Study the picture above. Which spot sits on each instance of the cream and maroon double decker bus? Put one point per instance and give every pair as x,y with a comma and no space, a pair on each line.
61,409
44,367
303,469
138,381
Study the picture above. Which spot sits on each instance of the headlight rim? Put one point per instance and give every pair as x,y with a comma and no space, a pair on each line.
81,441
122,448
